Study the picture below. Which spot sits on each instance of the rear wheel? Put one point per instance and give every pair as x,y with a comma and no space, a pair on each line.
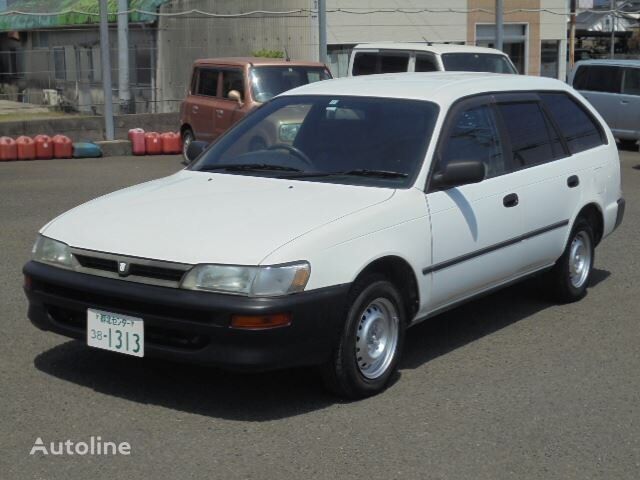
187,138
369,348
572,272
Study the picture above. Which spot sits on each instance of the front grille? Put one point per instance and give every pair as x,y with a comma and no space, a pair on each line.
141,270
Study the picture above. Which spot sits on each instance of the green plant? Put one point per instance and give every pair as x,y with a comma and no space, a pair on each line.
268,53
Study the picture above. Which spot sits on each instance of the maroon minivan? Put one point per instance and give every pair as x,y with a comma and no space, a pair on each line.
223,90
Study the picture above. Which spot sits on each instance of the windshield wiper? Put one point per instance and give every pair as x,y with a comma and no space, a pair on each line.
358,172
240,167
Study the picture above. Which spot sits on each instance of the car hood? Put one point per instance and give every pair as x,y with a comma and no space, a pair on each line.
196,217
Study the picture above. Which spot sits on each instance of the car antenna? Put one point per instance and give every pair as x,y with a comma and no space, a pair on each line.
427,41
286,55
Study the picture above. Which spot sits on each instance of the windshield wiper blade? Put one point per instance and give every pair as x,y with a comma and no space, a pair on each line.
239,167
358,172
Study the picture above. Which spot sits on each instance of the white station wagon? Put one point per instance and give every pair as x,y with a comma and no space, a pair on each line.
396,197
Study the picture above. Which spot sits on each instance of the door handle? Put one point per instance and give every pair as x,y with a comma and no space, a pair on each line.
510,200
220,112
573,181
194,109
624,102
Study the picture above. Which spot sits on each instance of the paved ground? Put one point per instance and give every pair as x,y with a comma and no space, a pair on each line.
510,386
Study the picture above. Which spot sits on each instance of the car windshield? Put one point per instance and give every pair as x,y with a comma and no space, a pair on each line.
339,139
477,62
267,82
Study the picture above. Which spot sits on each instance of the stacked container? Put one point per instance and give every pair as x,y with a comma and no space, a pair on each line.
44,147
152,143
8,149
26,148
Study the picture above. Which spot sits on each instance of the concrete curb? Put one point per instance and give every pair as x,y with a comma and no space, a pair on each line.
115,148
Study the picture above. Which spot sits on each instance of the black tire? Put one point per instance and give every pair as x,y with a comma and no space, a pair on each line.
187,138
341,373
565,290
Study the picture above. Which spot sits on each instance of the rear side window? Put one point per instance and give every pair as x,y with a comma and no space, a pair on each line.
598,78
232,80
367,63
426,63
577,127
474,135
208,82
631,82
533,140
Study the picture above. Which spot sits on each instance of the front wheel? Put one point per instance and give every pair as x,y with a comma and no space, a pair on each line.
369,348
572,272
187,138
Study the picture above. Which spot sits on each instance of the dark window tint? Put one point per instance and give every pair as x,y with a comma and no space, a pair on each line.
578,128
474,135
267,82
365,63
529,133
208,83
631,83
232,80
426,63
477,62
598,78
394,62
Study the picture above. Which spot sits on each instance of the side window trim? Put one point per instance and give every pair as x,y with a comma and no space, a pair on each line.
460,106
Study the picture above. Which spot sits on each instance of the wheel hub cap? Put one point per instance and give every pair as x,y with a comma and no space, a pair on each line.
376,338
580,259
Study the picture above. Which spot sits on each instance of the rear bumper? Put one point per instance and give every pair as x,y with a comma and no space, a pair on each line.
620,213
189,325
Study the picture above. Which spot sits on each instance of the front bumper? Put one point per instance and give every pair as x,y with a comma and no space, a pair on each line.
190,325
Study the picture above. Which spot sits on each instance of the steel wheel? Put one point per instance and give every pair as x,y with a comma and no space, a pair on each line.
187,138
376,338
580,259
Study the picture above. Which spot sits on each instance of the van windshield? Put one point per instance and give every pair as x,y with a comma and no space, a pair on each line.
267,82
477,62
340,139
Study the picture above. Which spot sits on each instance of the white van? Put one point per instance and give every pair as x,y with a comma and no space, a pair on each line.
372,58
395,198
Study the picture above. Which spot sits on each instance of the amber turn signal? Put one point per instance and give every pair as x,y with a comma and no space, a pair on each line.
259,322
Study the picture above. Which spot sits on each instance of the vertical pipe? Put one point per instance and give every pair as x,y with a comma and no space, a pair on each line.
572,34
106,70
322,30
124,93
499,25
613,28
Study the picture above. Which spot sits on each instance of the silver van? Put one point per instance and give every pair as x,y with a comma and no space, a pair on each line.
613,88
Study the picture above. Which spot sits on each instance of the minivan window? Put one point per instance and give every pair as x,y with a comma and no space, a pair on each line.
474,135
232,80
577,126
631,82
477,62
267,82
598,78
425,63
367,63
339,139
532,139
208,82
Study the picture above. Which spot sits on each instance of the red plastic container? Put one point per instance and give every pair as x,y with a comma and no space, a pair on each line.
171,143
62,147
8,149
44,147
136,136
26,148
152,143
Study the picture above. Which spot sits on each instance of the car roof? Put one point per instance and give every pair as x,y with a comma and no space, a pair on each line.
257,61
437,48
610,61
442,88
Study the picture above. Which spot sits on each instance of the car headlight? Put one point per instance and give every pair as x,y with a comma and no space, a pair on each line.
53,252
288,132
270,281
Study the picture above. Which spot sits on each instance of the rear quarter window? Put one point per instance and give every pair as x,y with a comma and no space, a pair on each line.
580,130
598,78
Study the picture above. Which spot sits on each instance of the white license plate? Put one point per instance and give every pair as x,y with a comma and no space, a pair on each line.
115,332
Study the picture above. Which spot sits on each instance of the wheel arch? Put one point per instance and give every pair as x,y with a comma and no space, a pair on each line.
185,127
592,212
402,275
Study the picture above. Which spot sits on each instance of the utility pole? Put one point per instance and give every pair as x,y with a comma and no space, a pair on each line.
499,25
322,30
613,28
124,93
572,34
106,70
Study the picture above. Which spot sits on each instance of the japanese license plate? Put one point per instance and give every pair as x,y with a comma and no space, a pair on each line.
115,332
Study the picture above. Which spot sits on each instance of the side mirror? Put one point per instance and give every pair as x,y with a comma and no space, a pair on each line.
194,149
458,173
235,95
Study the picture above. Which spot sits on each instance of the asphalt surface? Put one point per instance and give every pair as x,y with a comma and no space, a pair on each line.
509,386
